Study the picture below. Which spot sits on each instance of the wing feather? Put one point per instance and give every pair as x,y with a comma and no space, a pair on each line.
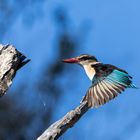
105,88
100,98
97,102
117,88
112,87
110,92
106,96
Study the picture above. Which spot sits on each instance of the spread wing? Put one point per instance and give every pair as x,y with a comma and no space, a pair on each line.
106,85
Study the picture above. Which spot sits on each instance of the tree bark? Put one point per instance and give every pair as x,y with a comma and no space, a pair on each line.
11,60
60,126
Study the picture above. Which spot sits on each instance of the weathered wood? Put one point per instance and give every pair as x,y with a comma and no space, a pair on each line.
60,126
11,60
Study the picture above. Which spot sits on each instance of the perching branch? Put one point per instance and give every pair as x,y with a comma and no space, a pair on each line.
60,126
11,60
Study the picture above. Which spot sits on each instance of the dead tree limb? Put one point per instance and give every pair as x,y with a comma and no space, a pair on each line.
11,60
60,126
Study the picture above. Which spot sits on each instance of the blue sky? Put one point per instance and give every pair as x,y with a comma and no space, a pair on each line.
112,32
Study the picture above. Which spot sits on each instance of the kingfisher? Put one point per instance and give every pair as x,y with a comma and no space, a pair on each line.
108,81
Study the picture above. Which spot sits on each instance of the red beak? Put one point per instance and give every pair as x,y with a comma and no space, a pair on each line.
71,60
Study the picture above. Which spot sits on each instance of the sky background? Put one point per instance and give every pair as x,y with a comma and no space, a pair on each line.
109,30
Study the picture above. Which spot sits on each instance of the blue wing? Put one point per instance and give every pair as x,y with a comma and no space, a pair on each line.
105,88
121,78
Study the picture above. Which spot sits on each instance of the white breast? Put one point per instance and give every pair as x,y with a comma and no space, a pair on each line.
89,71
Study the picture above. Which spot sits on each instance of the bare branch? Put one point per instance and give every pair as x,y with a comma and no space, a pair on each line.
60,126
10,61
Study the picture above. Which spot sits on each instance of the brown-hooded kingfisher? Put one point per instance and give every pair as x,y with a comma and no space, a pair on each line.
108,81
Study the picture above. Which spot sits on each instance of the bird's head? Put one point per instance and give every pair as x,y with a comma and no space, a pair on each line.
83,59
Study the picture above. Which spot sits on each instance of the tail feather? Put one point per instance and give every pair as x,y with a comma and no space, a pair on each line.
133,86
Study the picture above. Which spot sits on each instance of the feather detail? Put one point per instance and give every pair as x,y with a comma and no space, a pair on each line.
106,87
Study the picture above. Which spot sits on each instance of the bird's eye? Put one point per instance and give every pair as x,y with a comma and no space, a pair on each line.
84,58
